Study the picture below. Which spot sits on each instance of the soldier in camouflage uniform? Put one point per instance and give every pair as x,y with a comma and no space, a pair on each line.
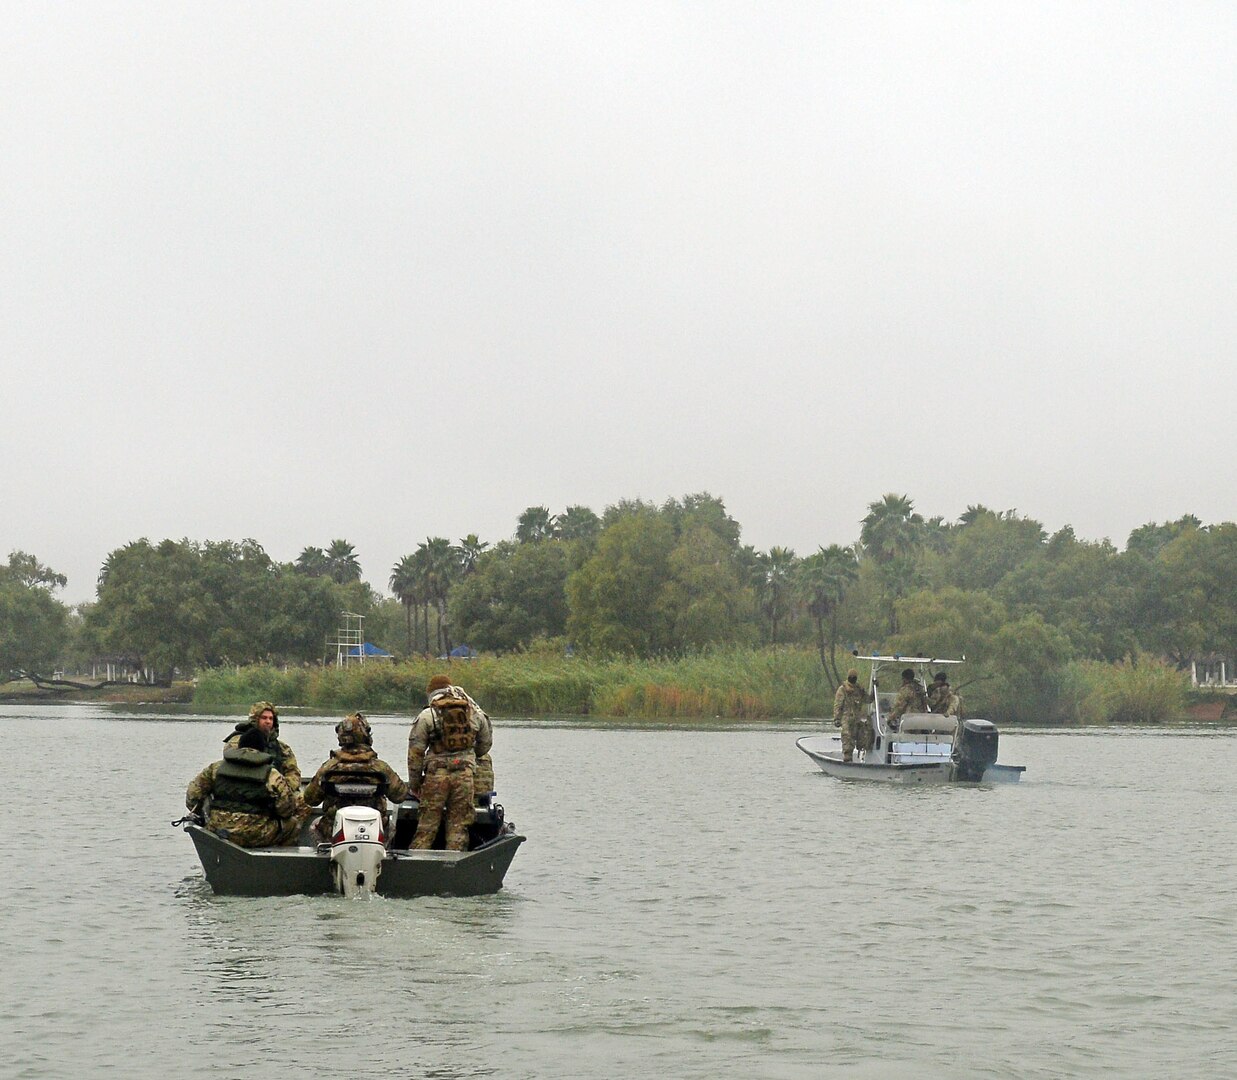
353,763
446,739
483,778
850,715
942,698
251,803
262,715
911,698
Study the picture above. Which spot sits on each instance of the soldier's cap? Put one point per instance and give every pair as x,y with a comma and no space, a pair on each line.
852,674
437,682
259,707
908,674
353,728
253,739
941,677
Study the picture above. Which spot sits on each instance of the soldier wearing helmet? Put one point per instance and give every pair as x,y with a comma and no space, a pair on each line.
244,798
353,776
264,718
447,739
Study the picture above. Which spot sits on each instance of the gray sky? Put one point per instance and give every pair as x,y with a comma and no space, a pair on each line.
298,272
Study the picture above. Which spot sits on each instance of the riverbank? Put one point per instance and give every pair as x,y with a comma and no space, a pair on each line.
23,692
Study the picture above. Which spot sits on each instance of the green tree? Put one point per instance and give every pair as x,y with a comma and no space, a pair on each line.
516,596
535,524
342,563
822,581
614,599
405,583
776,568
33,623
892,535
312,562
706,596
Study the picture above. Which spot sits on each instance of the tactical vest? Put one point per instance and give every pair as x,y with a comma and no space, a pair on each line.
355,786
451,731
240,784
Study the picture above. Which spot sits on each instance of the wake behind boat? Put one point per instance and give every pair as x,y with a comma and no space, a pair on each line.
918,747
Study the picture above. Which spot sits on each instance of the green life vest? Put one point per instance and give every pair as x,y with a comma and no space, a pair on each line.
240,782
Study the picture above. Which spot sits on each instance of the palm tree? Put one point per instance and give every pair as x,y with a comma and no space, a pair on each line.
775,568
822,580
312,562
891,528
536,523
342,564
406,585
441,570
471,548
892,535
578,523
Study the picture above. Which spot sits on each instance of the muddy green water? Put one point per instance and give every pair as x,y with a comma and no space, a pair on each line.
690,903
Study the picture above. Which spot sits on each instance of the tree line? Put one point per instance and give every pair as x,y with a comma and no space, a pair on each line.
647,580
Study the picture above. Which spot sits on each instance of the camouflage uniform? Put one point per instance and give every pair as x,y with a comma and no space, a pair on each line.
285,760
911,698
943,700
446,740
358,764
849,713
258,807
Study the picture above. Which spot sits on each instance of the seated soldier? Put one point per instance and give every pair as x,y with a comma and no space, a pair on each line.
262,715
353,776
911,698
942,698
251,802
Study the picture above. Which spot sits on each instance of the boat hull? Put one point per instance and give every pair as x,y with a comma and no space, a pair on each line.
821,750
304,871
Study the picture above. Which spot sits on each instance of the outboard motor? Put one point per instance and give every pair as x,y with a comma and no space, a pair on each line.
358,846
974,749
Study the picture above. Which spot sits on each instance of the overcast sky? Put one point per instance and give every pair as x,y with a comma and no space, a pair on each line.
381,272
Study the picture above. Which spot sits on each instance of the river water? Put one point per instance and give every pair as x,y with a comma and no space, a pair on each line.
690,903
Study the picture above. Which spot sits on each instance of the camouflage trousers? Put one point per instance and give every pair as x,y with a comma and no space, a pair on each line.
483,779
857,734
450,790
253,830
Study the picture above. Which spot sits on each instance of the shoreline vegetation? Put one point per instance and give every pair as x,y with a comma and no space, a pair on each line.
733,683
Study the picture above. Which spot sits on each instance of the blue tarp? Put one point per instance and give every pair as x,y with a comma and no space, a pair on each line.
368,650
463,652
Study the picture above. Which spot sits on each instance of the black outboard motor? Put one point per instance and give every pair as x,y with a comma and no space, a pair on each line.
974,749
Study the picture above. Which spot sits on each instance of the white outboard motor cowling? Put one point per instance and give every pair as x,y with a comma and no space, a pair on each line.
358,846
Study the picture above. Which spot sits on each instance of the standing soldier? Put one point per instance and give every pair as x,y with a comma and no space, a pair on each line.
848,713
911,698
354,763
252,804
447,738
262,715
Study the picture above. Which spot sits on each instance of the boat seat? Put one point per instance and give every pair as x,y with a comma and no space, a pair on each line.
919,723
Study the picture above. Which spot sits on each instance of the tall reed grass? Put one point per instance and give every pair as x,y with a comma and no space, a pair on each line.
733,683
1142,691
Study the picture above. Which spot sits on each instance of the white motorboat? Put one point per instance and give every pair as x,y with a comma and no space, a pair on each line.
918,748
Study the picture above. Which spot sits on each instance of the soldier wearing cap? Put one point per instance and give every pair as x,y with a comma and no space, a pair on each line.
447,738
250,802
262,715
356,766
911,698
849,715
